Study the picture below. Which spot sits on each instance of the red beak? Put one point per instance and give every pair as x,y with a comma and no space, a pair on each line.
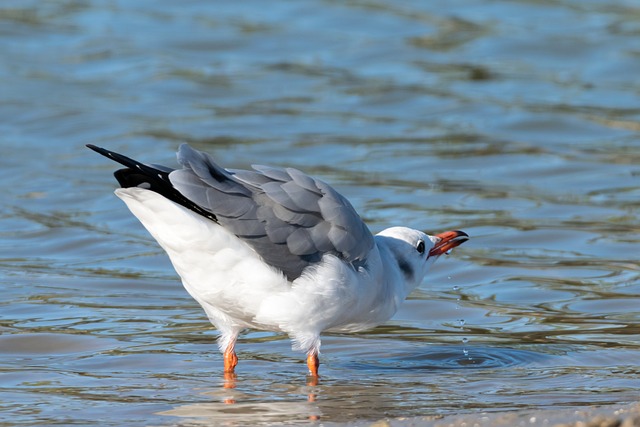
448,240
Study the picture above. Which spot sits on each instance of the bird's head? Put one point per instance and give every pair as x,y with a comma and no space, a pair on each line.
415,251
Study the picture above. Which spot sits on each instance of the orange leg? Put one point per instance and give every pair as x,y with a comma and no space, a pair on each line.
230,362
313,363
230,358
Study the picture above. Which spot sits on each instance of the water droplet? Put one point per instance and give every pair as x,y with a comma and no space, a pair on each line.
465,340
465,352
461,322
456,289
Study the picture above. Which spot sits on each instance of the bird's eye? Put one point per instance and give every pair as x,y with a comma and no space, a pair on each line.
420,247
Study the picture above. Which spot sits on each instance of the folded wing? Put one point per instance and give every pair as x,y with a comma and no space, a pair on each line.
289,218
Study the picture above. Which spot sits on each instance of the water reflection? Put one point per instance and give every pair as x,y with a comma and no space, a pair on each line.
253,413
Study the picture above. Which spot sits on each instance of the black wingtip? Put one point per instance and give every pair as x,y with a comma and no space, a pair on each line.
98,149
123,160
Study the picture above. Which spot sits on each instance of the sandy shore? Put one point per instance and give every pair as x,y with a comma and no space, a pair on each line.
624,415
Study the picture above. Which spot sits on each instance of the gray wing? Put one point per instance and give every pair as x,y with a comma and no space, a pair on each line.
289,218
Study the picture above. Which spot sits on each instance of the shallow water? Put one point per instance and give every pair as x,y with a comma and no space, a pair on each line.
517,122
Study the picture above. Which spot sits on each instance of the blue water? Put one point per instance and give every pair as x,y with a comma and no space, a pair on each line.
518,122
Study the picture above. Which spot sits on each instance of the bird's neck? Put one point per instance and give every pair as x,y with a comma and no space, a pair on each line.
399,277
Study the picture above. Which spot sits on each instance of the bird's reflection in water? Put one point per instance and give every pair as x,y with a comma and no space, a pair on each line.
312,381
229,383
233,406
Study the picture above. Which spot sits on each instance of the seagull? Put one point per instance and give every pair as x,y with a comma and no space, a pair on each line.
274,249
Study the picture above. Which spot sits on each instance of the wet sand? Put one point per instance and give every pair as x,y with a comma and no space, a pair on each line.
623,415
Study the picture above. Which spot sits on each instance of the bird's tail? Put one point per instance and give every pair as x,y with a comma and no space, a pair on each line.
149,177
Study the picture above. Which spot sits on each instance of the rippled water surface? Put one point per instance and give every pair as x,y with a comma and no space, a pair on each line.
516,121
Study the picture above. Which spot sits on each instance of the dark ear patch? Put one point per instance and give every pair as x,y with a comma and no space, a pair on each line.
406,269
